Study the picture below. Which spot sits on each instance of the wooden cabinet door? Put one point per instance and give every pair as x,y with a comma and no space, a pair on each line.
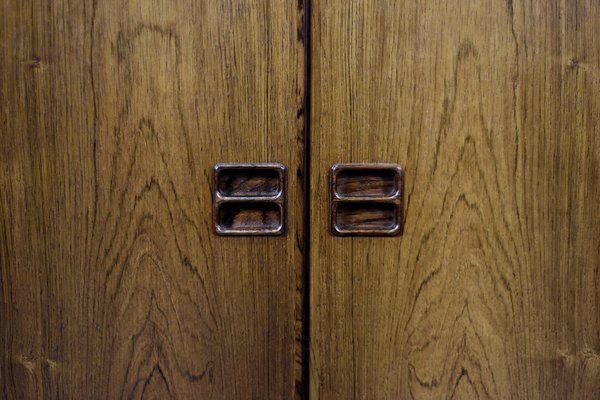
493,109
112,282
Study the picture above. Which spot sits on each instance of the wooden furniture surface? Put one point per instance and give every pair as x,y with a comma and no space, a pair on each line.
115,284
493,109
112,281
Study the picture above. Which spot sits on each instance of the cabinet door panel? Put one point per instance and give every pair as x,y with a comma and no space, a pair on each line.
493,109
112,281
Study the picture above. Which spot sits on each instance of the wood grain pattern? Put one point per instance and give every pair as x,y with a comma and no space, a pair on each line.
112,283
371,183
372,216
248,182
493,108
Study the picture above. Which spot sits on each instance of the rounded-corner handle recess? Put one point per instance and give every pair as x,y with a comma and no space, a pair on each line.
249,199
366,199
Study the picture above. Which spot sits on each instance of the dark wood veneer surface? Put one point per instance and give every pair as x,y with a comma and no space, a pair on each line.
493,289
113,284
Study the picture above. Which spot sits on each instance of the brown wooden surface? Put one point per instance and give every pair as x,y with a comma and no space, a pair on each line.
493,109
112,115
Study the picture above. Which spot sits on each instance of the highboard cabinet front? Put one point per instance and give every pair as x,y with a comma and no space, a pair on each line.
300,199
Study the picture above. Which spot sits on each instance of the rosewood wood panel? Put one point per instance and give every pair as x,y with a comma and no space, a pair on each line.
112,281
493,109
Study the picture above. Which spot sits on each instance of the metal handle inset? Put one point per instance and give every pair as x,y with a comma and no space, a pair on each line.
366,199
249,199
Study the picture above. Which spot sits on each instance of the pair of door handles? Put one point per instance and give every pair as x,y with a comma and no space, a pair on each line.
364,199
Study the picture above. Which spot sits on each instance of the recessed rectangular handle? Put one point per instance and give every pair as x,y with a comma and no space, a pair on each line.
366,199
249,199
